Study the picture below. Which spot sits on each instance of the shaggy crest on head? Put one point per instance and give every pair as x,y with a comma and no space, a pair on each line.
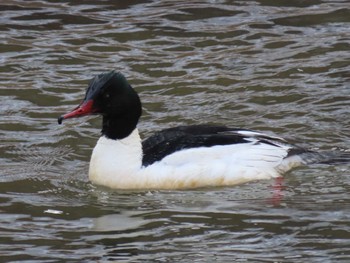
179,157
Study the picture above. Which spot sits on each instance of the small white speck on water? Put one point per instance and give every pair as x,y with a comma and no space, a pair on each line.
53,211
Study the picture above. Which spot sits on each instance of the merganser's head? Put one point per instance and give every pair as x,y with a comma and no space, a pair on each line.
111,96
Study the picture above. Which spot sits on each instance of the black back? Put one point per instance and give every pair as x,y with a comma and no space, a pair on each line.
171,140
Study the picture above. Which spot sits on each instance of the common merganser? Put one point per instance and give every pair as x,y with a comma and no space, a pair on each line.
180,157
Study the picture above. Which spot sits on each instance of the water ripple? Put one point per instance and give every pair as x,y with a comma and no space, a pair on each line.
277,66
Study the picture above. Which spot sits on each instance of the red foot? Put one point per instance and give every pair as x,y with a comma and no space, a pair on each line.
277,189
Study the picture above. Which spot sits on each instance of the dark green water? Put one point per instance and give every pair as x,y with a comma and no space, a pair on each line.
280,67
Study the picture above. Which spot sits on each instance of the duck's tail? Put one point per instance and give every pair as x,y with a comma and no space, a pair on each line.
298,157
326,157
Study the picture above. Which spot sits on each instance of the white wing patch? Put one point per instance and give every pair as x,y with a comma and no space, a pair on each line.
254,134
245,154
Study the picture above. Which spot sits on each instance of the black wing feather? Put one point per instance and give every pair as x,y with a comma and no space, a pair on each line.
171,140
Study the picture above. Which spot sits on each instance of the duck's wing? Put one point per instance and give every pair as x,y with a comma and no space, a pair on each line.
168,141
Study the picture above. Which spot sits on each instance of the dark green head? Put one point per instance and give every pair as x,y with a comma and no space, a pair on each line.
111,96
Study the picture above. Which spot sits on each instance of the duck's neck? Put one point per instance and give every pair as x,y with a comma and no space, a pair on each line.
115,158
118,127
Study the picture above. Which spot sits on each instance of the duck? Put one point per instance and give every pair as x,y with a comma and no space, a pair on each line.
183,157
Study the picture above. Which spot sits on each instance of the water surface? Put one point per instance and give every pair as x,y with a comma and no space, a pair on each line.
280,67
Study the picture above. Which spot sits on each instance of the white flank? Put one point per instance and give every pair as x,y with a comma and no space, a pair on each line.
118,164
